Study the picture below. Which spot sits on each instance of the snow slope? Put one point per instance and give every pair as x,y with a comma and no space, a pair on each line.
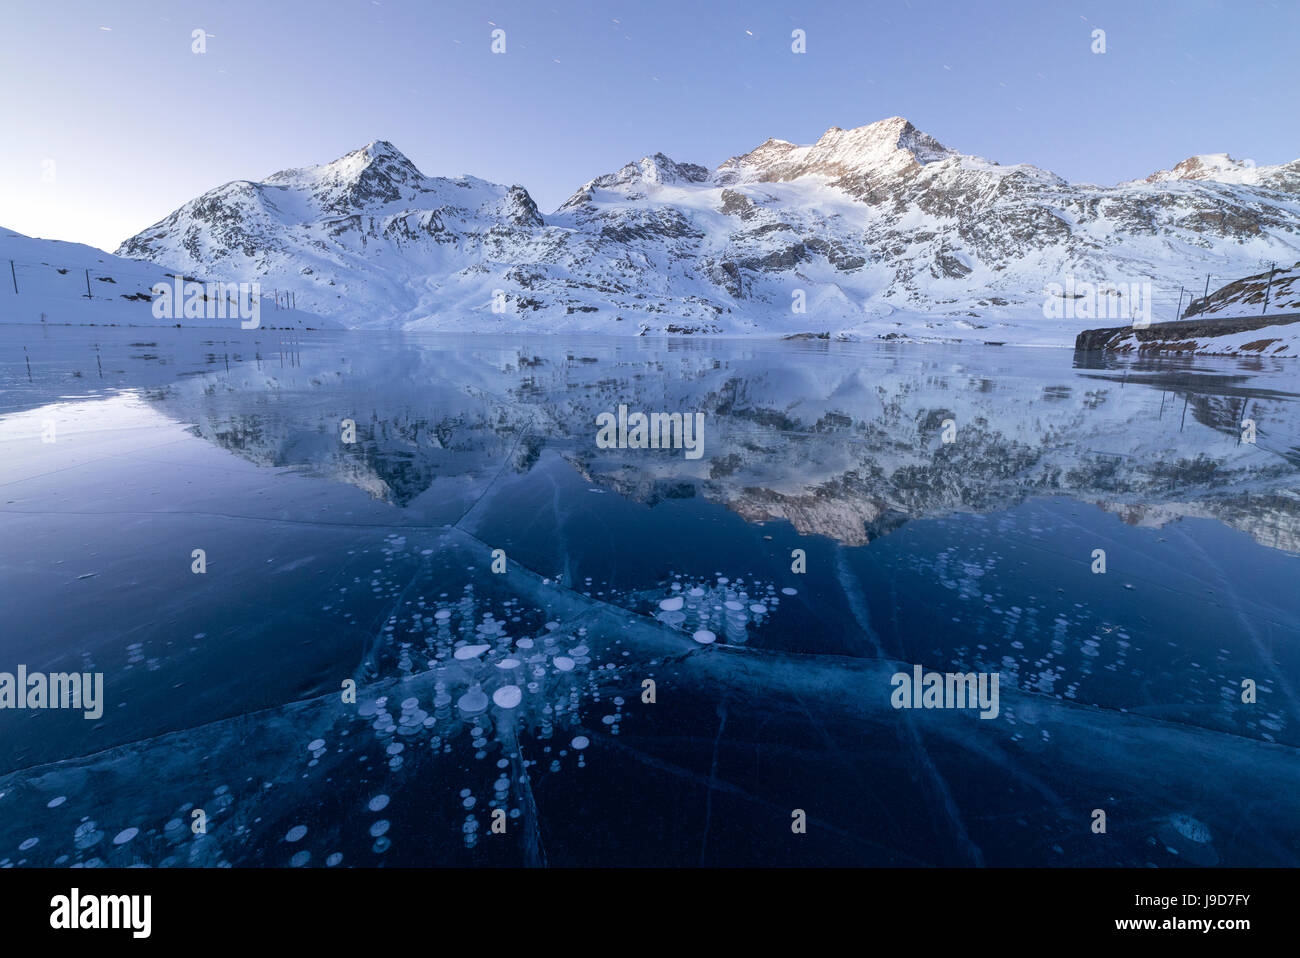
58,283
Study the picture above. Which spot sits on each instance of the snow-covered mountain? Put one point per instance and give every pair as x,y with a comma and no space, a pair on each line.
367,239
879,230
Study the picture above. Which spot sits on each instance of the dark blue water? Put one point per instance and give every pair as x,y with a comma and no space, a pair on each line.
370,562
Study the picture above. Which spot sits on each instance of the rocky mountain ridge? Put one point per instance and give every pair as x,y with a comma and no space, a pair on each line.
875,231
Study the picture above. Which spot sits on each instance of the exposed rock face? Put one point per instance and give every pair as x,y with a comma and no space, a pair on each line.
1273,334
1278,290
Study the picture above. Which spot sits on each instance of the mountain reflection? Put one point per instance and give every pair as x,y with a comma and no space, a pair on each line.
841,440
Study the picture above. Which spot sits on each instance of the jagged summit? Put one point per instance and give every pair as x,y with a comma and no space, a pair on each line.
377,171
382,148
881,149
661,169
655,169
1206,166
884,148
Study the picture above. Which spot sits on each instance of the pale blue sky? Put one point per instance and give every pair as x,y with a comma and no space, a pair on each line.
135,123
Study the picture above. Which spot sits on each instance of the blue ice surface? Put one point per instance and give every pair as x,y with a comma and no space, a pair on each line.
371,563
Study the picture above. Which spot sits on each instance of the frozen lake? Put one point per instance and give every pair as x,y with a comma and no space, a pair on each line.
346,493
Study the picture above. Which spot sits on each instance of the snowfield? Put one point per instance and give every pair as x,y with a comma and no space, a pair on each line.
70,284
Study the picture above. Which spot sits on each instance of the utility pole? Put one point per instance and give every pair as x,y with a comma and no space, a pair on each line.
14,275
1179,314
1269,287
88,296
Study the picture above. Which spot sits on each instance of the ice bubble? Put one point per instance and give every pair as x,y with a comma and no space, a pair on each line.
379,828
473,701
758,609
508,696
300,859
471,651
704,637
334,859
86,835
315,744
563,663
525,643
296,833
508,664
1190,828
733,605
409,705
671,605
442,615
126,834
789,591
56,802
580,742
29,843
378,803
